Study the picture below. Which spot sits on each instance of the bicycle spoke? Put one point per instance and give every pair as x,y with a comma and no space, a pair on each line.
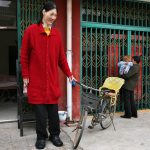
106,117
79,129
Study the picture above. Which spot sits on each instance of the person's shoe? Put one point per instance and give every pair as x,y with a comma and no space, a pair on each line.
127,117
40,144
134,116
55,139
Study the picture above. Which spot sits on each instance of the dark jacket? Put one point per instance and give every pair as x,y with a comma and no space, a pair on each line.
131,77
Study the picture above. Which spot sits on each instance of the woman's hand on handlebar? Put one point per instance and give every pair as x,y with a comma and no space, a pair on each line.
71,78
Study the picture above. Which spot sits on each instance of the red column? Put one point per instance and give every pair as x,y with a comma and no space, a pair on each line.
76,55
61,25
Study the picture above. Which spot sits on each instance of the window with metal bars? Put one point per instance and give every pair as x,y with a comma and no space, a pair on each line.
120,12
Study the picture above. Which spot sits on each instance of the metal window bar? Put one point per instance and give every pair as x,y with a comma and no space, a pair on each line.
87,10
110,45
117,12
97,12
146,15
138,16
87,42
119,45
91,56
130,33
101,47
106,11
101,10
81,47
147,73
111,10
96,59
114,39
125,13
121,12
142,69
92,11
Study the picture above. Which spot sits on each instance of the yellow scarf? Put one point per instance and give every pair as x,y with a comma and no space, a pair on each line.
47,30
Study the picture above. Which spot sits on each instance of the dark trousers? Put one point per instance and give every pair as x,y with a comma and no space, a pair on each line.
129,103
42,112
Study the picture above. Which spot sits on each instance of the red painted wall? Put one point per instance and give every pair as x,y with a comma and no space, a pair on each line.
61,24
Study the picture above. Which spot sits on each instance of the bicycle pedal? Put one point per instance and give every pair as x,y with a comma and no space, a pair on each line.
90,127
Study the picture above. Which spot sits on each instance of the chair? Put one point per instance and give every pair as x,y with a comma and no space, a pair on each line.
25,111
7,84
114,84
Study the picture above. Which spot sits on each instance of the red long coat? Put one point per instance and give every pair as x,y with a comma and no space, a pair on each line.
40,57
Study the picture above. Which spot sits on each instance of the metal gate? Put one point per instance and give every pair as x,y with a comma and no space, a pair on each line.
28,12
111,29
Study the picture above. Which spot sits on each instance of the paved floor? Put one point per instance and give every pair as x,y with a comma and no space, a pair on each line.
130,134
8,111
10,139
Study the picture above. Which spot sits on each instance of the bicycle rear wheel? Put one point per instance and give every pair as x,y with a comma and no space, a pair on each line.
107,114
79,128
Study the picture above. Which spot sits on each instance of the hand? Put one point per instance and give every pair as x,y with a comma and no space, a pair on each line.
25,82
71,78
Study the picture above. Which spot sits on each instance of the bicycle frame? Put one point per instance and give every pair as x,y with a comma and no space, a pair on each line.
98,106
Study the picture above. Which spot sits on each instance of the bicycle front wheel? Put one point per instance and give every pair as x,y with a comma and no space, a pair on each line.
107,114
79,128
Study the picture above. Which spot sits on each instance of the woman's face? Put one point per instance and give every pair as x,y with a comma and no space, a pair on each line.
50,16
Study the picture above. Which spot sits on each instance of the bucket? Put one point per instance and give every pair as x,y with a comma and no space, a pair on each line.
62,115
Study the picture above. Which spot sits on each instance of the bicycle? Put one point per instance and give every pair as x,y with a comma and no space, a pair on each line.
102,107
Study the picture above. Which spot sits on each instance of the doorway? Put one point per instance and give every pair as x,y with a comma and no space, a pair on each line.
8,56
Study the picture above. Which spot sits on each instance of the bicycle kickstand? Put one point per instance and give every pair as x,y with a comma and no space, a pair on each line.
113,123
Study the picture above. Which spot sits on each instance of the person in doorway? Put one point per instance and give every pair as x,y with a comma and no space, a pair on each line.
41,54
131,79
125,65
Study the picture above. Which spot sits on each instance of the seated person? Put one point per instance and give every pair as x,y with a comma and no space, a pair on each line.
125,65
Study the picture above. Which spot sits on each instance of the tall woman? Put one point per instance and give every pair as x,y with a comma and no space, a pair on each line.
41,54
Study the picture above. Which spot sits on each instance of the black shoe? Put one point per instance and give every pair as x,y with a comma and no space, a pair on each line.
134,116
127,117
55,139
40,144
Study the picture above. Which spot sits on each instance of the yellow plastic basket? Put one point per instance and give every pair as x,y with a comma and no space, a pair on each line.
115,84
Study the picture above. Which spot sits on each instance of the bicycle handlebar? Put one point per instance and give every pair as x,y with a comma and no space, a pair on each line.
87,87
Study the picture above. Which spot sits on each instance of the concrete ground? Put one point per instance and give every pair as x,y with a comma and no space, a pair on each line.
8,110
130,134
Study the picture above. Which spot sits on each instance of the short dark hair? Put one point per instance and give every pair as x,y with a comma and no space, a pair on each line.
136,59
